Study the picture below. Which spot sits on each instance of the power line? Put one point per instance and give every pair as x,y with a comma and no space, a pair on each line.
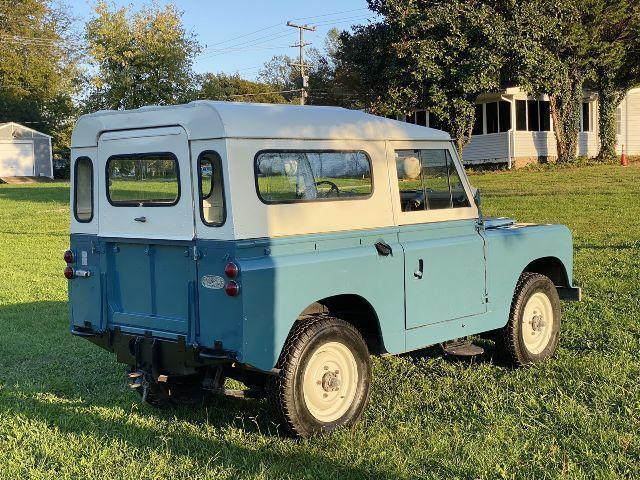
331,14
264,93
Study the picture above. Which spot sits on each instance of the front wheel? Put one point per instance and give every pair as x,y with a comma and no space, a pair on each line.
325,376
532,332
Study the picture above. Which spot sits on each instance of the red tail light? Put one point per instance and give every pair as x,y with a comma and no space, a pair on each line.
69,273
68,256
232,288
231,270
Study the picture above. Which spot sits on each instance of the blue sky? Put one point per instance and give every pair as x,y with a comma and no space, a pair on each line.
239,36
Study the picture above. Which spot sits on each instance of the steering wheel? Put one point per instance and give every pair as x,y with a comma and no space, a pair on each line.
415,203
332,188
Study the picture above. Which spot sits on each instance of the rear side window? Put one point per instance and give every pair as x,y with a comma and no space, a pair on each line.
210,179
428,180
312,176
83,190
144,180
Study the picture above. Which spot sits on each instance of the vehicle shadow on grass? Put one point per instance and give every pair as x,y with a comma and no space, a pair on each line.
49,377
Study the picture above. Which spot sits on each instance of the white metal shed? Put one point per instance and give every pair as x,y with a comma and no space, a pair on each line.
24,152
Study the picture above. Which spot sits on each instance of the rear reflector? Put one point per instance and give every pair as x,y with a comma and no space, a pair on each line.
232,288
68,256
69,273
231,270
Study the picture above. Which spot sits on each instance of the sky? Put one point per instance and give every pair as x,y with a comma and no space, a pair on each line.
240,36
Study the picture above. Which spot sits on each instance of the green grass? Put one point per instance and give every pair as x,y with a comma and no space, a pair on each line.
65,411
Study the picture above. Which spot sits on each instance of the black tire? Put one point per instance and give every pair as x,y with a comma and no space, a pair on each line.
287,393
511,346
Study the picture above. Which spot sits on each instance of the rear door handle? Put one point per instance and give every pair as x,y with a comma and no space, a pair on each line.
420,272
140,219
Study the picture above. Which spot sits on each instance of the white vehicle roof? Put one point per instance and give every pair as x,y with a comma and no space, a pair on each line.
207,120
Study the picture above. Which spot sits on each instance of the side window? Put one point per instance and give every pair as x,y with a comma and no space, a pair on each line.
428,180
83,190
211,188
304,176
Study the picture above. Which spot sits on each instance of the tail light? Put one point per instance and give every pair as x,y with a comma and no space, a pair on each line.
231,270
232,288
69,273
68,256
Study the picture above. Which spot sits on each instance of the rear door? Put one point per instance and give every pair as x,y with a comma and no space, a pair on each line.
146,223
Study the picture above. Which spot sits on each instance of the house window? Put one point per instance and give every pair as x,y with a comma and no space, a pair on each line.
421,118
434,122
545,116
618,121
505,116
586,117
521,115
428,180
478,122
492,117
289,176
533,120
411,118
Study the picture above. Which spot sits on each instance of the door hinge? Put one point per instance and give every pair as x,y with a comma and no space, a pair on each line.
196,253
486,298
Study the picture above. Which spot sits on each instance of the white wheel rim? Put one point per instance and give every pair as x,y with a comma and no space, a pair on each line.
537,322
330,381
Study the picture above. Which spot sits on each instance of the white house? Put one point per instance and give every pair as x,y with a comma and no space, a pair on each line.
24,152
515,128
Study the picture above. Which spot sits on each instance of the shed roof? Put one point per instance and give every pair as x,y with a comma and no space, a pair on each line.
208,119
22,127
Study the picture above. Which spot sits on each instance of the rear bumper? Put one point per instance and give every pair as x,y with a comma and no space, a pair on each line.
161,356
571,294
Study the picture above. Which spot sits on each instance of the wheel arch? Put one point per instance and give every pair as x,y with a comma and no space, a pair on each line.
355,310
551,267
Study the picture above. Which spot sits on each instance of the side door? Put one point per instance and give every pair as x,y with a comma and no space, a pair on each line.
444,253
147,226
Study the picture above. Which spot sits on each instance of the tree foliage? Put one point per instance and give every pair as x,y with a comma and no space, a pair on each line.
38,67
140,58
427,54
237,89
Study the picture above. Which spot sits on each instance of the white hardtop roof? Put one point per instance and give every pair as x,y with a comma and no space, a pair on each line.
207,119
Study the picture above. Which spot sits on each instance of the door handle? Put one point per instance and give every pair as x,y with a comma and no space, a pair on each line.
140,219
420,272
383,248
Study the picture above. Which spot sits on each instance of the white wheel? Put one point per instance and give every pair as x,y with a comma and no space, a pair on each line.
537,322
324,378
532,332
330,382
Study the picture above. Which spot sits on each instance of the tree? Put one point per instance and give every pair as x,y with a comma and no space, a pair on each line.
617,66
237,89
427,54
38,68
140,59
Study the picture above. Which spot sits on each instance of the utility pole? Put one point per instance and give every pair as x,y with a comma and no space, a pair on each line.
301,64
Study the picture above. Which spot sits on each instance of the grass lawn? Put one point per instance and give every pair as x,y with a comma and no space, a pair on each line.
65,411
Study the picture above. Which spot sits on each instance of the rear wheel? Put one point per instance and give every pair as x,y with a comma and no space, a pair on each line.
532,333
325,376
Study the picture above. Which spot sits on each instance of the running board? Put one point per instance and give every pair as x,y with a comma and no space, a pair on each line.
461,348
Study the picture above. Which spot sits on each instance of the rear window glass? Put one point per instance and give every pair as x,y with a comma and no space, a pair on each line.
306,176
145,180
83,190
212,207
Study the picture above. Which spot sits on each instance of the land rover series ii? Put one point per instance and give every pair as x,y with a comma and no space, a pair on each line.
284,245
